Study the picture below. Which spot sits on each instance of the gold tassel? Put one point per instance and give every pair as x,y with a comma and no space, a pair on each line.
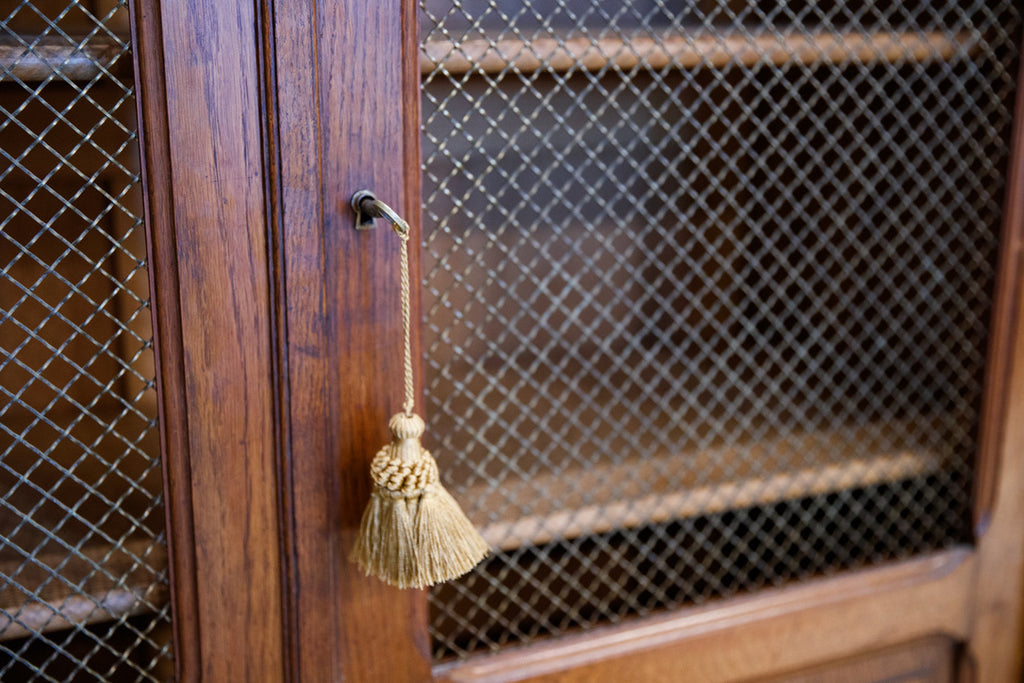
413,533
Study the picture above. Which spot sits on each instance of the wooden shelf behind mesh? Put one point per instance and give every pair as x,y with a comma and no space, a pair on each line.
80,61
580,501
686,51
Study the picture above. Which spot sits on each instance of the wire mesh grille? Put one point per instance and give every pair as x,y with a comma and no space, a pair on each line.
83,584
707,288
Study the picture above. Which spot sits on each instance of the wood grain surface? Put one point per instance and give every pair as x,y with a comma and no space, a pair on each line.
345,122
928,660
210,281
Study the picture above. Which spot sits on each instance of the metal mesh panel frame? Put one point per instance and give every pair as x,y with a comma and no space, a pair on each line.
706,295
84,586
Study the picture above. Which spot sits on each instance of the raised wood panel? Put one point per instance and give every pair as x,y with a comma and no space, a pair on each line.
766,634
929,660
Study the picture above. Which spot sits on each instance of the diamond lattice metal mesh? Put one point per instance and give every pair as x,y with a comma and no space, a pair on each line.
707,288
83,584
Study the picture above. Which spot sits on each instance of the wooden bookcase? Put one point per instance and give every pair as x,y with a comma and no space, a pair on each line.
271,320
306,109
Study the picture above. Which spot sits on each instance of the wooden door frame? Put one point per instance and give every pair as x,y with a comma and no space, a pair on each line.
351,122
277,324
203,123
276,327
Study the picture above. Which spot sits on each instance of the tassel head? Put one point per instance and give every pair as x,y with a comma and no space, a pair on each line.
413,533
